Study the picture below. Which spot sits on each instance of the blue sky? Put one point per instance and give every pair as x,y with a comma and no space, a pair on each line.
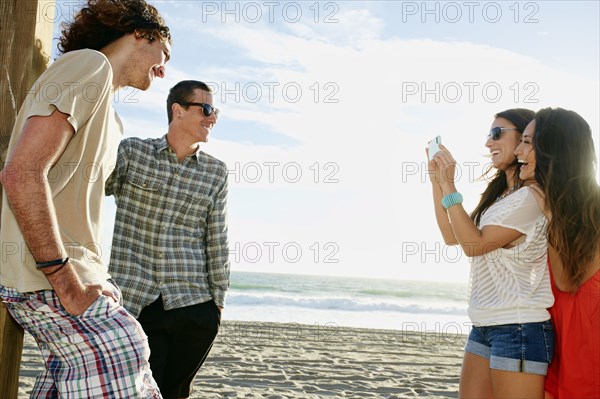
327,108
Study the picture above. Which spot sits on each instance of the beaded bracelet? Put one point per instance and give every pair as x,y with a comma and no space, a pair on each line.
452,199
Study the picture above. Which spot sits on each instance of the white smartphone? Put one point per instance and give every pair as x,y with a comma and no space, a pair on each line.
434,146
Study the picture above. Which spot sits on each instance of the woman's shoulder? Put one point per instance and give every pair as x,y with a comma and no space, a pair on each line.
535,191
530,196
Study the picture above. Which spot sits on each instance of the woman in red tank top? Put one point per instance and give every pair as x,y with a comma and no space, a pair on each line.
564,160
575,370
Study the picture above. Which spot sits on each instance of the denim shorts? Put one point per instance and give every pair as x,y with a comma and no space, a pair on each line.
523,348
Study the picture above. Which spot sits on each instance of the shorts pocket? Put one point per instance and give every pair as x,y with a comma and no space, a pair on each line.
95,309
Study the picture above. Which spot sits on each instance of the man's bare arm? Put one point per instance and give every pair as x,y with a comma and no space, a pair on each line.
25,183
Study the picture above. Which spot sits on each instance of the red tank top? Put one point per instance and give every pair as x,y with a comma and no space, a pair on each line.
575,369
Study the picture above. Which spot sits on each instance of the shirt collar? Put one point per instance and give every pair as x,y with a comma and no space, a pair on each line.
161,145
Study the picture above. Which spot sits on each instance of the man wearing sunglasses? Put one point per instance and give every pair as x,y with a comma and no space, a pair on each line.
170,249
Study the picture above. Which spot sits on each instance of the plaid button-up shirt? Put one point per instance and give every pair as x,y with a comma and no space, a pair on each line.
170,234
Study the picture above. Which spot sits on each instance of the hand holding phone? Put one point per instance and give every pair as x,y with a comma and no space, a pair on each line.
434,146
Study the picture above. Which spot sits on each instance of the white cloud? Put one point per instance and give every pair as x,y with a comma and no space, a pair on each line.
345,28
372,134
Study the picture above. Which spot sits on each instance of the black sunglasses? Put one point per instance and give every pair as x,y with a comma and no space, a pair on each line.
207,109
495,132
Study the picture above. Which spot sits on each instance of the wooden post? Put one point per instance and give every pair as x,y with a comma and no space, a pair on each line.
26,28
11,346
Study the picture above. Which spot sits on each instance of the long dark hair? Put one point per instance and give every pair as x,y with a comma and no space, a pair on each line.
103,21
565,168
520,117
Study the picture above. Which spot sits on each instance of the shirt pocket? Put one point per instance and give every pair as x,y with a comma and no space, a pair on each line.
144,178
195,215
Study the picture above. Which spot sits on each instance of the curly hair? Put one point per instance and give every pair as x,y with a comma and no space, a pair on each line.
520,117
103,21
566,170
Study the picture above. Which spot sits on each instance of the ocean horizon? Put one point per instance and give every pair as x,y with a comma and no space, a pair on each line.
329,301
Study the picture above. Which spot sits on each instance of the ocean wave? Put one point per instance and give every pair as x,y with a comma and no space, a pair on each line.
366,289
430,294
340,304
264,287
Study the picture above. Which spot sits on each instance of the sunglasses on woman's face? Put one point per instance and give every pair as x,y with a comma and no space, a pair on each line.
496,132
207,109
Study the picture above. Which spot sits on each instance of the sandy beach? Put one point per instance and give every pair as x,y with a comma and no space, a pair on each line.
275,361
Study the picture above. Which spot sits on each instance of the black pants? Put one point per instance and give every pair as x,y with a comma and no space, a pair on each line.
179,340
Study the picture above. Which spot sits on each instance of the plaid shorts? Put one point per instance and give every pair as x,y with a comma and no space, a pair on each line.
102,353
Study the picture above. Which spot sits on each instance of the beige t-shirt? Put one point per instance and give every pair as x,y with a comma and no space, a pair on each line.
79,83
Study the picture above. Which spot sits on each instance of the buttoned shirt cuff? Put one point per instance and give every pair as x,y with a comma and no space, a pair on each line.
219,298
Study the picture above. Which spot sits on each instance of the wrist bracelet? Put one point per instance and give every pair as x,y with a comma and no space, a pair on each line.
452,199
57,269
55,262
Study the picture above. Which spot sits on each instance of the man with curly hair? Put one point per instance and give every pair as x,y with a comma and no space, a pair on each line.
63,148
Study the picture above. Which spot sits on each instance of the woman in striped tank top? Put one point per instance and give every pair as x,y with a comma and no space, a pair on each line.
511,341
